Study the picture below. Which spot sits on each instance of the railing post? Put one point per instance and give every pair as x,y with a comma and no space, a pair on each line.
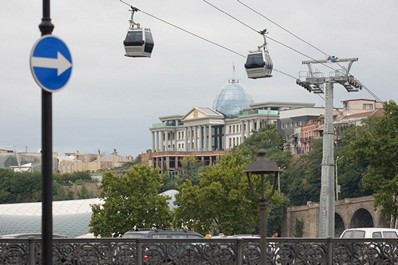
31,252
239,252
330,250
139,256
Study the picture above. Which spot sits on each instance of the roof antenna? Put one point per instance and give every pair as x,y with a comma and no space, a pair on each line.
233,80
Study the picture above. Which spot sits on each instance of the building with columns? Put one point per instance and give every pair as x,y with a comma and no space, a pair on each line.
207,133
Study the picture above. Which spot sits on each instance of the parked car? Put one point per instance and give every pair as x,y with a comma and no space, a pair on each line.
373,250
370,232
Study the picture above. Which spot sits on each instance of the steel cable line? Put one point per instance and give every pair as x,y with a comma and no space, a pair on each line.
226,48
281,43
301,39
196,35
285,45
288,31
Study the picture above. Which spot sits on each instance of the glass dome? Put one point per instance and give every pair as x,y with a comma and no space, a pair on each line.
232,99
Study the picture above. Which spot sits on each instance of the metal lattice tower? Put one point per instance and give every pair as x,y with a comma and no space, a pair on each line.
315,82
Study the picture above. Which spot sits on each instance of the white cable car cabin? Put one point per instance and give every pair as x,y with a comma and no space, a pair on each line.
258,63
138,41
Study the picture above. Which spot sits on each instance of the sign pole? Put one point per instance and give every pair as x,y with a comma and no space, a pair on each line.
46,28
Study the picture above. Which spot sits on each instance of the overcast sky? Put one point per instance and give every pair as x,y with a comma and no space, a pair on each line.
111,101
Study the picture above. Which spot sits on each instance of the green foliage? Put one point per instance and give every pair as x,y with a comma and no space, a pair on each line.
60,193
350,171
301,180
221,201
190,168
267,138
18,187
68,179
84,193
298,227
130,200
376,144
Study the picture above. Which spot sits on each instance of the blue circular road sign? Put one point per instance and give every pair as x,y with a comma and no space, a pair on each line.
50,63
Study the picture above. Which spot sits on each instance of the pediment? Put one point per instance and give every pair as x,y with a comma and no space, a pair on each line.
195,114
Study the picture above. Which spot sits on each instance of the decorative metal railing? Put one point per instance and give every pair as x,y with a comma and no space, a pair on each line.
281,251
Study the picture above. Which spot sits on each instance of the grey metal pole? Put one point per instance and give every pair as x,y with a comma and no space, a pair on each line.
263,231
327,196
46,28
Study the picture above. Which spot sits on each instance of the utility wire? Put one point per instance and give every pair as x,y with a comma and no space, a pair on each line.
283,44
373,94
228,49
288,31
200,37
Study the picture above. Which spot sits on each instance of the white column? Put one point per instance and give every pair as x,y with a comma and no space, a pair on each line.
195,137
161,141
153,142
157,141
199,138
166,140
186,138
175,140
205,142
223,138
242,132
209,148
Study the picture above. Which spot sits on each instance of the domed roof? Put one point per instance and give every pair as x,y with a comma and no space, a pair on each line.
232,99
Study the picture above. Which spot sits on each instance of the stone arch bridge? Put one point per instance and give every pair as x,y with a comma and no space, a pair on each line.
350,213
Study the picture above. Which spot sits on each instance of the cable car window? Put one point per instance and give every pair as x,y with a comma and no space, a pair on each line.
148,37
134,38
254,60
148,42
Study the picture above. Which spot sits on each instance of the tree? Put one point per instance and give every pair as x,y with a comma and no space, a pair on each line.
190,168
267,138
301,180
68,179
376,143
130,200
349,171
84,193
222,201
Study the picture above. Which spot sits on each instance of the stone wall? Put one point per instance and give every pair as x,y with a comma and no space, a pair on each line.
350,213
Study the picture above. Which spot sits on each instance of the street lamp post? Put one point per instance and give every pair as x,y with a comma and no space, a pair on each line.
262,167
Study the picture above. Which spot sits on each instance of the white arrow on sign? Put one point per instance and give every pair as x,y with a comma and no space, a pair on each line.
60,63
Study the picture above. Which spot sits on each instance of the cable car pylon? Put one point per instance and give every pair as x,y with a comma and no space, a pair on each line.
317,83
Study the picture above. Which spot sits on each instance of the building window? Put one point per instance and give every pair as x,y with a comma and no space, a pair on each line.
368,106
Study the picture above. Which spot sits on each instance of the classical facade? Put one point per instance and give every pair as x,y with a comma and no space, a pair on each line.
207,133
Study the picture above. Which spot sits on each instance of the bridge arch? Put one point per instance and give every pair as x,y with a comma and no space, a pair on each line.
339,225
362,218
349,213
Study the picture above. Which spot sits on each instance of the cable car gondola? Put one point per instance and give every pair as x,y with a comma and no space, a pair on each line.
138,41
258,63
